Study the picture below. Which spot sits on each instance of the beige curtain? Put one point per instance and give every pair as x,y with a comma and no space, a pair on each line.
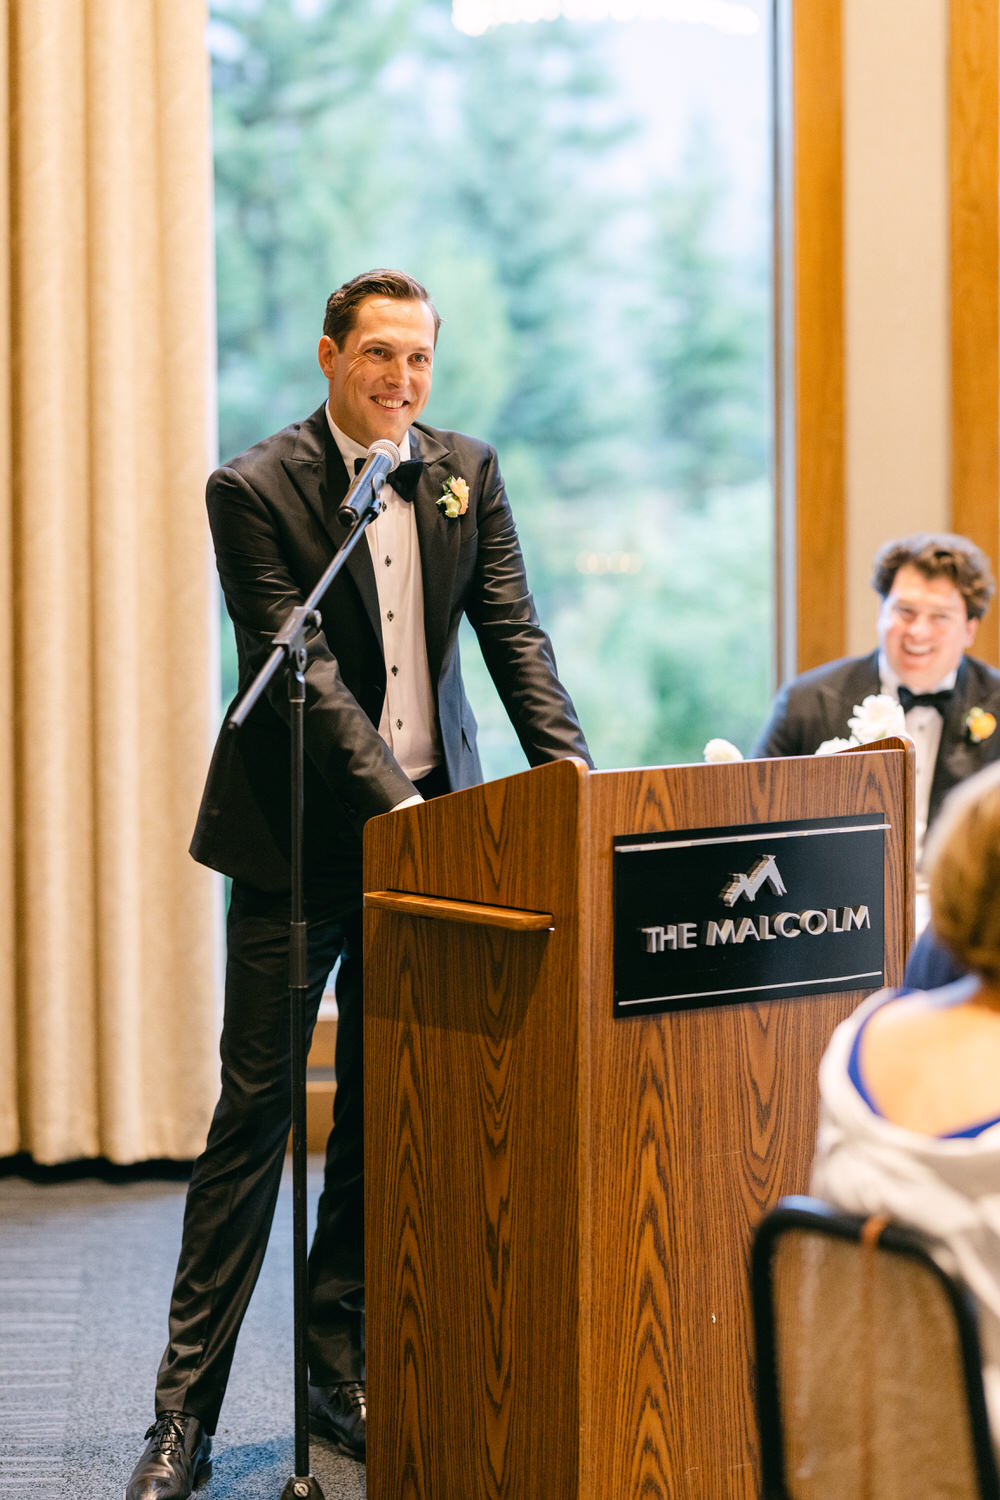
108,1006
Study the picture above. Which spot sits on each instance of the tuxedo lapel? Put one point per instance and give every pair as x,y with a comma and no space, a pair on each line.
439,540
319,474
307,468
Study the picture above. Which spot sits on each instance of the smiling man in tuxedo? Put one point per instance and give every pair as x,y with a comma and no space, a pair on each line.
387,724
935,588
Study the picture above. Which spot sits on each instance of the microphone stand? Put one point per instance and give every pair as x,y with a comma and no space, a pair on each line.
300,625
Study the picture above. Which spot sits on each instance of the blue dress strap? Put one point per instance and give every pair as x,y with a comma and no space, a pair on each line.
855,1075
854,1060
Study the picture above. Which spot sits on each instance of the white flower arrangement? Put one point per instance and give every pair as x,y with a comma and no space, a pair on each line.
717,752
834,746
875,718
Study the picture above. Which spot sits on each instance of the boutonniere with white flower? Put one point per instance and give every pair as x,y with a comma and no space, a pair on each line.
454,502
875,718
979,725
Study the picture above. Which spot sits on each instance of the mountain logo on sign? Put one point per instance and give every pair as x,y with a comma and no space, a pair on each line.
763,871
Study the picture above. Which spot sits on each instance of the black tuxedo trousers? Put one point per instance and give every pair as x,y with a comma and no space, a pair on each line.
234,1184
235,1181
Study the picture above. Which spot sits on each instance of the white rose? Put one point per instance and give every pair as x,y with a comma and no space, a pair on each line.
717,751
876,717
831,747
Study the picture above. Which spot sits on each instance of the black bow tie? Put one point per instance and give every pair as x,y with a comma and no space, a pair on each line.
940,701
404,478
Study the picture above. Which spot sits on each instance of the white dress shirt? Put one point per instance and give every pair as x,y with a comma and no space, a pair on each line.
409,718
924,725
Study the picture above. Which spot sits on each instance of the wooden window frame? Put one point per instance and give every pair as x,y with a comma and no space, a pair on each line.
811,482
973,108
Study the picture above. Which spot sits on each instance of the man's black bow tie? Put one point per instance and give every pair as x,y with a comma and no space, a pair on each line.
404,477
940,701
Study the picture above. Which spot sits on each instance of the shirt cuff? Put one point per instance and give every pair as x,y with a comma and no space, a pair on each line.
408,802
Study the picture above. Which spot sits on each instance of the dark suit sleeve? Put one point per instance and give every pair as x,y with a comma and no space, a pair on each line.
930,965
785,732
259,587
959,756
517,651
817,705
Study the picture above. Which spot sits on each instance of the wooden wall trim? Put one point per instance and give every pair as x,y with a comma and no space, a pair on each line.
817,295
974,171
818,299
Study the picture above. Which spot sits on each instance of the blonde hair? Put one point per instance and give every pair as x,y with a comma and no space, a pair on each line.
964,863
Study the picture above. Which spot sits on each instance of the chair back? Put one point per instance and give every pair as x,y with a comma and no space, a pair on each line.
869,1375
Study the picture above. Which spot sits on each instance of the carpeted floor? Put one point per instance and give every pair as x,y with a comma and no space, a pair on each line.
86,1267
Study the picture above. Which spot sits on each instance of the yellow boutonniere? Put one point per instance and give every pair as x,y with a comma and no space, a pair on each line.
454,502
979,725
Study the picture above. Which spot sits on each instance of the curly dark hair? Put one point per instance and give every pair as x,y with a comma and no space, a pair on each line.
342,305
938,554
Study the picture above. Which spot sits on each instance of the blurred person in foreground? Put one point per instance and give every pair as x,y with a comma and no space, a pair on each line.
387,724
910,1083
935,588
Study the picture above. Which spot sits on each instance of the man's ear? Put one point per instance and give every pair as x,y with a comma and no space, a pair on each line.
971,626
327,355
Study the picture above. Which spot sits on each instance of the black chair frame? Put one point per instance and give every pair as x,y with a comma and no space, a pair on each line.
815,1216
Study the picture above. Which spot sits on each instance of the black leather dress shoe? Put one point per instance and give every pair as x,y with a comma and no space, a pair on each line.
175,1461
338,1412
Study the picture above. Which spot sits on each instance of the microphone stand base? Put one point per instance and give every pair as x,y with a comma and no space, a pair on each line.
302,1487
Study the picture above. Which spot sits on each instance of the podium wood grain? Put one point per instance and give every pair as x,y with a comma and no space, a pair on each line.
559,1203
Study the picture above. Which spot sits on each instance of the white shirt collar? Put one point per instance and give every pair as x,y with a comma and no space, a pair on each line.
350,450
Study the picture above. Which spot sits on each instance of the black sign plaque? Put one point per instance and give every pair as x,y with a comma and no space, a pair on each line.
721,916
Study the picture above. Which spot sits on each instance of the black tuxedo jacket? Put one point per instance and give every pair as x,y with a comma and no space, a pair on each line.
816,707
273,514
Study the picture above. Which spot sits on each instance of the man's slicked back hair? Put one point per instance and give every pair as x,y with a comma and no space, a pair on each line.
342,305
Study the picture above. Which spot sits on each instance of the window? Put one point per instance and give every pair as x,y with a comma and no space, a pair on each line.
589,203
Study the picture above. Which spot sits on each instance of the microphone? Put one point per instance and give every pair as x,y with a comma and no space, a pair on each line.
381,459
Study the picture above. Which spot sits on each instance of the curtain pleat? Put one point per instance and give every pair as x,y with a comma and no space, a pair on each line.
109,1010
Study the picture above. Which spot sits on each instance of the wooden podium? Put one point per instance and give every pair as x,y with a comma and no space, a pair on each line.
559,1202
